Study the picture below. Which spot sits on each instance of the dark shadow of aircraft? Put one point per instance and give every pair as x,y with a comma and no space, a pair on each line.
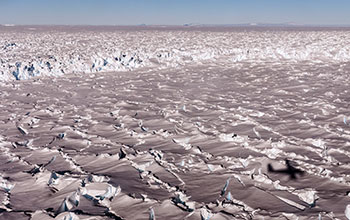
290,170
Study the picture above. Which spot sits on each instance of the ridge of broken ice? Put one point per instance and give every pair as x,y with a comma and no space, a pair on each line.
59,52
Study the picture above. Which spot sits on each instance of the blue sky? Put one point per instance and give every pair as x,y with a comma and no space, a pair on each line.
172,12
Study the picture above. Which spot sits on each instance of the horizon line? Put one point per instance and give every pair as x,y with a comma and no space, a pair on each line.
251,24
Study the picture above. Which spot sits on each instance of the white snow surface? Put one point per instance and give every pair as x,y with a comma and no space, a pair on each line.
26,52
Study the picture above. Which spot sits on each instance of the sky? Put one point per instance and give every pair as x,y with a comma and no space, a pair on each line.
174,12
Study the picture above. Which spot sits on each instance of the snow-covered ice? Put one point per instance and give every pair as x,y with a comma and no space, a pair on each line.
174,123
26,53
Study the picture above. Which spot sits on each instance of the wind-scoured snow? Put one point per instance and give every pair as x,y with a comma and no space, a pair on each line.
191,132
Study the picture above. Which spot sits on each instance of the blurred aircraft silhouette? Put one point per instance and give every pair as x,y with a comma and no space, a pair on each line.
290,170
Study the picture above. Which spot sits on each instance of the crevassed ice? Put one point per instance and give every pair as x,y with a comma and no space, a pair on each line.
55,53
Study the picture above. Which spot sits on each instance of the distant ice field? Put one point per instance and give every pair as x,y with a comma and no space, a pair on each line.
28,51
214,123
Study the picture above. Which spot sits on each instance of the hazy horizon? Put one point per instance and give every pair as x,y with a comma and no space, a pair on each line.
156,12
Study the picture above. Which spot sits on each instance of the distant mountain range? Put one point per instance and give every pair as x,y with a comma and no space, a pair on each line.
286,24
